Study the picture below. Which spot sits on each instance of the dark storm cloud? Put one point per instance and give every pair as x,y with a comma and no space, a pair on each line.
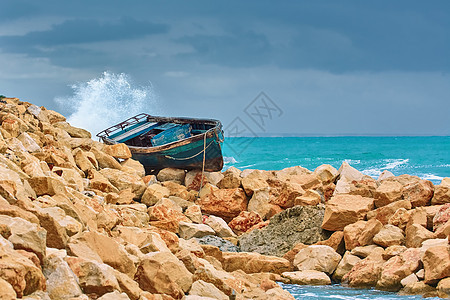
80,31
239,49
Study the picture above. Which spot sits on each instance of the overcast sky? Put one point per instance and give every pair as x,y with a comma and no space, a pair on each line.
331,67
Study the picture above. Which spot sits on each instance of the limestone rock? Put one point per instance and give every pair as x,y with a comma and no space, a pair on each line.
436,263
114,296
194,213
442,192
219,226
163,273
371,228
107,250
385,175
226,203
352,232
135,166
416,234
72,131
294,225
307,277
93,277
61,282
347,262
206,289
191,230
317,257
256,180
254,263
122,181
366,272
389,235
127,285
25,235
8,292
349,172
310,197
260,203
441,217
231,179
335,241
384,213
443,288
244,221
392,251
418,288
387,192
397,268
118,151
326,173
410,279
153,193
171,174
364,251
343,210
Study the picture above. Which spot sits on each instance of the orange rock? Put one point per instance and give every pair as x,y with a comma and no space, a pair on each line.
343,210
254,263
226,203
352,233
436,263
118,151
244,221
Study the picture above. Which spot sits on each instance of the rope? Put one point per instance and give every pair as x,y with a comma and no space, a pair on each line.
186,158
203,165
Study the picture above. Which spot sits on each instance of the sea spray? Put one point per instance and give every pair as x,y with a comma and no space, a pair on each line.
107,100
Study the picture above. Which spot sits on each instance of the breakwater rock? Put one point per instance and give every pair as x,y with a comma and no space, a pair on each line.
82,220
299,224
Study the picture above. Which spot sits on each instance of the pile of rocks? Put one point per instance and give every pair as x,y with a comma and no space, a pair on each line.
82,220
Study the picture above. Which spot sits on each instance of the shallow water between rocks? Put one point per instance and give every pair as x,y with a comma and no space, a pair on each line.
337,291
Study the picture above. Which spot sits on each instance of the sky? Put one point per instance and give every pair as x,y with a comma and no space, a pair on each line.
269,67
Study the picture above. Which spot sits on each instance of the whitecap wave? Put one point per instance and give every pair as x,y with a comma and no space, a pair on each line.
352,161
229,160
107,100
394,163
432,177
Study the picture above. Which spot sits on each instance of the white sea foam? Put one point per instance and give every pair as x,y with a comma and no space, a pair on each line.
394,163
432,177
107,100
353,161
229,160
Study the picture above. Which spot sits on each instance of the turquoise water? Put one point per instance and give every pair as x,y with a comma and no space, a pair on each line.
426,157
343,293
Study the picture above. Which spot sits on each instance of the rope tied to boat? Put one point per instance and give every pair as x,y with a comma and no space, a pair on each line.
203,165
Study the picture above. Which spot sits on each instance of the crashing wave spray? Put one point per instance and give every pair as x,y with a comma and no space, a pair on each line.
107,100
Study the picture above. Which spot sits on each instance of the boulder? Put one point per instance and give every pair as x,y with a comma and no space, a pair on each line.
389,235
256,180
219,226
93,277
118,151
93,245
392,251
387,192
364,251
416,234
231,179
114,296
397,268
384,213
244,221
419,288
28,142
104,160
146,240
347,262
25,235
299,224
165,212
74,132
352,232
134,166
418,192
205,289
372,227
122,180
317,257
350,173
442,192
163,273
8,292
254,263
335,241
310,197
153,193
343,210
385,175
260,204
326,174
436,263
441,217
443,288
307,277
127,285
61,281
366,272
227,203
191,230
194,213
20,272
171,174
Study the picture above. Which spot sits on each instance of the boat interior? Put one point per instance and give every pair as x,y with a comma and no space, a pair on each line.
150,134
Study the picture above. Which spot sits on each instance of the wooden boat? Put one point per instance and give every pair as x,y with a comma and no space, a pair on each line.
162,142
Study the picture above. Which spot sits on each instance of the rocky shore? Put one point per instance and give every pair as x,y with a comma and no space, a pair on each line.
82,220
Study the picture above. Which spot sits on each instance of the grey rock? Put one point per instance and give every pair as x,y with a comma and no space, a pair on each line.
222,244
299,224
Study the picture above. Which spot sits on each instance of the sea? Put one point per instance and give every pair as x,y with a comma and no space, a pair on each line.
111,98
427,157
